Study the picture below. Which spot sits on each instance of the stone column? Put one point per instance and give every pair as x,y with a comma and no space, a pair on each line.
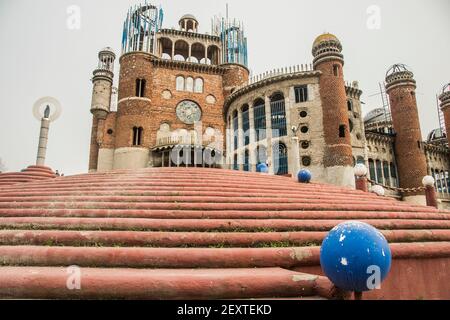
269,134
43,139
240,141
252,148
294,156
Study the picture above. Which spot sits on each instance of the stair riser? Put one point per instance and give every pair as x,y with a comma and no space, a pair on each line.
205,225
51,283
192,239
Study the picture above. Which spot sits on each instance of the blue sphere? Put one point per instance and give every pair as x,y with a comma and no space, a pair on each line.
304,176
262,168
356,257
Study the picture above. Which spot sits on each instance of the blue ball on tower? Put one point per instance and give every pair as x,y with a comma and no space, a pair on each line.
304,176
356,257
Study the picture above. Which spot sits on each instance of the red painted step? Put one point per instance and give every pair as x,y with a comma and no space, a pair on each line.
160,284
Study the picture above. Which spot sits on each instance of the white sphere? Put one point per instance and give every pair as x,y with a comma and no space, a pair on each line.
378,190
360,170
428,181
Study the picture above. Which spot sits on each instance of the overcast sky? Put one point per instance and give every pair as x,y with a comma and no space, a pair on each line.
41,56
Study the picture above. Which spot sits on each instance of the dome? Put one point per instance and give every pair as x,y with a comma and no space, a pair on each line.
107,51
188,16
377,115
325,37
399,67
446,88
436,134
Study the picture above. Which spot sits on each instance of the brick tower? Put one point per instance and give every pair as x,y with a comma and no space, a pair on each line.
411,161
338,158
101,102
445,106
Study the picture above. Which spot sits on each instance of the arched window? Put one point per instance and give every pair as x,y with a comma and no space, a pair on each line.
280,159
259,111
140,87
278,115
246,124
180,83
137,136
246,161
178,57
181,50
198,85
189,84
235,130
360,160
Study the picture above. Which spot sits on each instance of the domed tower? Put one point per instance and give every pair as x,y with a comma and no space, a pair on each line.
338,157
410,156
101,101
188,23
445,106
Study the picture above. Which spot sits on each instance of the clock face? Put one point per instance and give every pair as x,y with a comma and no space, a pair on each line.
189,112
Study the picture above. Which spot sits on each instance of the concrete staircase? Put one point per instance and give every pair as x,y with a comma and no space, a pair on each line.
189,234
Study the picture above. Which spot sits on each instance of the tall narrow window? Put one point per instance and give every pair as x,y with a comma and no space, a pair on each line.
261,154
336,70
246,161
386,173
280,159
235,130
379,172
350,105
140,87
342,129
190,84
180,83
373,174
235,162
278,115
259,110
301,94
198,88
137,136
394,174
246,124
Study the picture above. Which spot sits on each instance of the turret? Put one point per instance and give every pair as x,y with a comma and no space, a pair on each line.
101,101
445,106
338,158
410,156
188,23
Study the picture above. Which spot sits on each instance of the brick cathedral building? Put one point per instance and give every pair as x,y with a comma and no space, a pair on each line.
186,98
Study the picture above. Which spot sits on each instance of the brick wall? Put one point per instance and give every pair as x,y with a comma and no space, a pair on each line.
411,161
338,150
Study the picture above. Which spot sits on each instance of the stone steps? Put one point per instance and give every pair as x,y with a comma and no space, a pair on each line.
205,225
195,239
219,214
190,233
185,258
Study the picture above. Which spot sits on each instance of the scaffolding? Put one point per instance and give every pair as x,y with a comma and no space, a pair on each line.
441,117
140,28
234,42
386,105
